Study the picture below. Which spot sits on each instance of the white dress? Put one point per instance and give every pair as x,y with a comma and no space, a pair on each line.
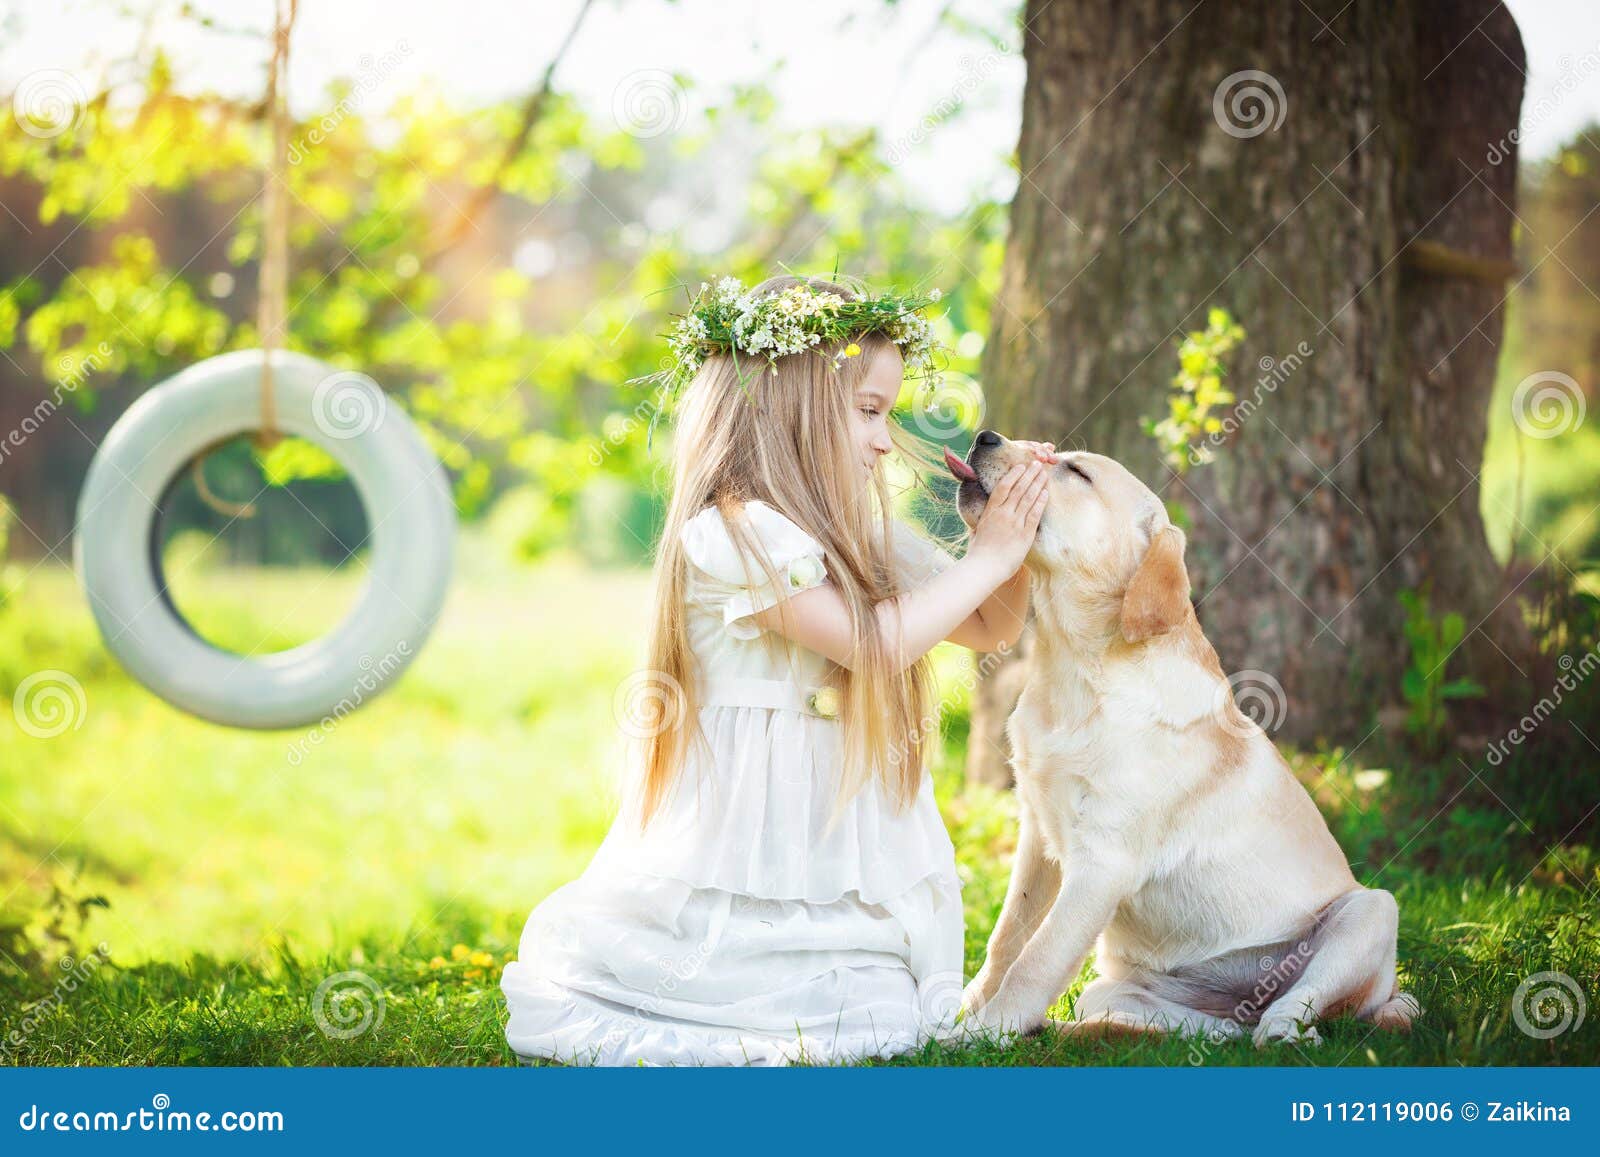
738,929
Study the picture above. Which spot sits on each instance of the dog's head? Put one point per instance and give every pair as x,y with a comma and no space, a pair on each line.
1104,537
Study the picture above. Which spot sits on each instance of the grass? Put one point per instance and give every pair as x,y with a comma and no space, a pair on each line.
230,881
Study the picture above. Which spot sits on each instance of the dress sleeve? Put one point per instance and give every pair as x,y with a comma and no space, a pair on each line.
737,579
919,558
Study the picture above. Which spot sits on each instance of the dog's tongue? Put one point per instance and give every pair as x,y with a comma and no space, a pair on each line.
959,468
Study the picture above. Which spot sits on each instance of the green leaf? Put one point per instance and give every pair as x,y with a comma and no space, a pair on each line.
1451,628
1461,689
294,458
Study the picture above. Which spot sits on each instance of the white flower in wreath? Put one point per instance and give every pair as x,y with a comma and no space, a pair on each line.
824,701
804,572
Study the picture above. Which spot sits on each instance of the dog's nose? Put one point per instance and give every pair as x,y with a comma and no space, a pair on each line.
988,438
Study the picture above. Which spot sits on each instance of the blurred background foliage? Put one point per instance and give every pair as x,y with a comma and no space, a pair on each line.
508,333
1546,489
503,271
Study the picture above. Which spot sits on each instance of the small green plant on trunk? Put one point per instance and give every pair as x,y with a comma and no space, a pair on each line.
1425,684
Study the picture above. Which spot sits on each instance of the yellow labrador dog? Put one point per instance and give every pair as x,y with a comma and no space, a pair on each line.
1159,824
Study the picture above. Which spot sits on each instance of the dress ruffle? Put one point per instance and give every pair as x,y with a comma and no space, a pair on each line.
653,971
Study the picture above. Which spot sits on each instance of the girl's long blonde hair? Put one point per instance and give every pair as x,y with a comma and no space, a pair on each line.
784,438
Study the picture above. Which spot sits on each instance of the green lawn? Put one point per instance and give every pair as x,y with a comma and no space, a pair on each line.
411,845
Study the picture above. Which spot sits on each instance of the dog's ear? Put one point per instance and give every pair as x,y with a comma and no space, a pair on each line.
1157,600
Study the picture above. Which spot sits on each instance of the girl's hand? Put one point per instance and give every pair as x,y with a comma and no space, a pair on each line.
1043,451
1010,518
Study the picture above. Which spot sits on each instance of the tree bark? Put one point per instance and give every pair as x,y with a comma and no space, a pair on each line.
1154,187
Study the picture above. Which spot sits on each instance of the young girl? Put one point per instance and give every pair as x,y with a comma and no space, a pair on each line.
778,885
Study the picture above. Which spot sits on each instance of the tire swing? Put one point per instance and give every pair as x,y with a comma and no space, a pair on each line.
170,429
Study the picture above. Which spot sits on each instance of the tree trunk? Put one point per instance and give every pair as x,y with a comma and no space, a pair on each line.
1329,184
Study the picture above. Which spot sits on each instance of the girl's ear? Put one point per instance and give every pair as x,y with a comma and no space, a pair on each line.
1157,599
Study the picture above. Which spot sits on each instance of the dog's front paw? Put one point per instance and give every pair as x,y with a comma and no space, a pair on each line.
1001,1017
972,997
1285,1030
1398,1013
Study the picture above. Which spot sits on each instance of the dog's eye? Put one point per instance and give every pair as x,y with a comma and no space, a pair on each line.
1079,471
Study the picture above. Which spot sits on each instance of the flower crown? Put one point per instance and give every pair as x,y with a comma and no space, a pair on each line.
727,318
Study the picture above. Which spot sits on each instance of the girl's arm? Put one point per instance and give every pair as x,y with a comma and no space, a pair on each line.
999,619
915,622
919,619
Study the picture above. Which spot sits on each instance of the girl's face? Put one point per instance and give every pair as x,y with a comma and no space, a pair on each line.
869,411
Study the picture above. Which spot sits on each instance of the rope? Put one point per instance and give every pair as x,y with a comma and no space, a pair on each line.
212,499
272,287
273,291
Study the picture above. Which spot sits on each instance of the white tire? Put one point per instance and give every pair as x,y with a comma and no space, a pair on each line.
410,521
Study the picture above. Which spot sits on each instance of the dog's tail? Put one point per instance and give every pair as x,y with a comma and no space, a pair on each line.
1108,1026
